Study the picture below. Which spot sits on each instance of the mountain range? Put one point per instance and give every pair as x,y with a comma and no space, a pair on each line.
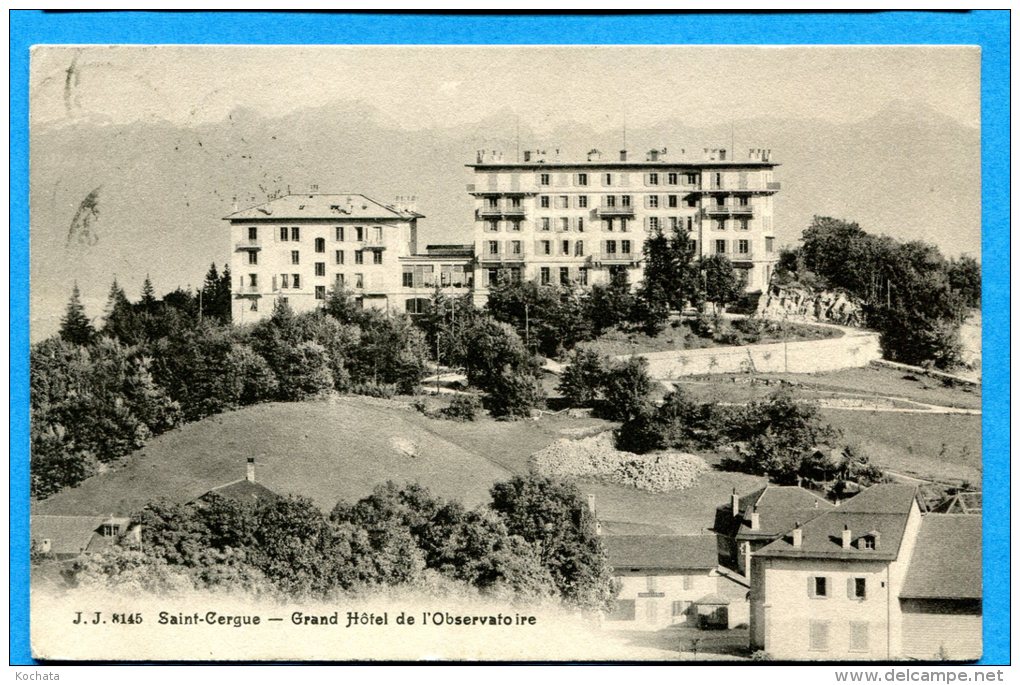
153,194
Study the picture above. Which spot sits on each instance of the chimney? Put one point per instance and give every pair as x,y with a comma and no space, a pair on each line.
623,155
250,476
797,535
734,504
755,520
846,536
527,155
235,203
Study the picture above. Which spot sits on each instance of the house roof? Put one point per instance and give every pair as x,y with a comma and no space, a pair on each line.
323,206
244,490
779,508
662,551
67,534
946,563
882,508
960,503
713,599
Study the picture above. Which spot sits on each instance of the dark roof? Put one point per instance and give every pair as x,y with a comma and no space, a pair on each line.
243,491
450,250
960,503
323,206
946,563
67,534
881,508
779,508
662,551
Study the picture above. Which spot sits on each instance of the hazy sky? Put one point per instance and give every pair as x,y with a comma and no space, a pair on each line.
420,87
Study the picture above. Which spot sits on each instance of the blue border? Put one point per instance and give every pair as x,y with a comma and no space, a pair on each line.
988,29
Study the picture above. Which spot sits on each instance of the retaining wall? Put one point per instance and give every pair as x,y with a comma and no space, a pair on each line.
856,348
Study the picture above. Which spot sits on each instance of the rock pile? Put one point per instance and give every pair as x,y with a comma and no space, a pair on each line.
597,457
797,303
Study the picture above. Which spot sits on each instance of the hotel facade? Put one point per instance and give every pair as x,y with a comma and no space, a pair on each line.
542,219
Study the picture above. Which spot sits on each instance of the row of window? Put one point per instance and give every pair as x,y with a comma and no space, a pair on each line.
424,276
576,248
579,224
293,234
819,636
339,257
654,178
293,281
820,587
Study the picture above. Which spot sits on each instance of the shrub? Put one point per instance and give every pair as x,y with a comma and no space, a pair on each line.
462,408
627,389
373,389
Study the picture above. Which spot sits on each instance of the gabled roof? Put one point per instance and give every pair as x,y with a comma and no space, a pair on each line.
713,599
244,490
662,551
946,563
67,534
779,508
323,206
882,508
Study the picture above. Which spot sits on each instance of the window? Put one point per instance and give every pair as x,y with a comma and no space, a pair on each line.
543,201
254,307
284,234
607,224
625,200
359,234
818,586
720,225
680,607
651,583
653,179
742,225
607,179
493,247
295,233
743,246
582,201
623,225
253,233
515,203
407,278
770,244
867,542
253,280
564,224
339,257
491,277
579,248
818,635
720,247
580,224
492,225
653,223
545,223
515,226
610,247
582,276
415,305
543,179
671,178
545,247
377,257
562,202
625,247
253,257
284,280
359,257
339,280
857,588
320,292
320,268
565,247
340,233
296,280
492,203
543,275
691,179
359,280
582,179
610,200
320,244
673,200
295,257
858,636
653,201
515,247
692,201
564,275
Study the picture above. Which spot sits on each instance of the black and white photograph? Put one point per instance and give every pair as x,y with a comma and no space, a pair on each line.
505,353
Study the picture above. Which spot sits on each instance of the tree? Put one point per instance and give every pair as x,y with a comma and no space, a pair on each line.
75,327
583,377
554,517
216,294
148,300
965,279
121,321
341,305
627,389
670,281
501,367
611,305
720,280
679,423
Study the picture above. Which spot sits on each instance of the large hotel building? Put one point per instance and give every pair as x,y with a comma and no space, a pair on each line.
541,218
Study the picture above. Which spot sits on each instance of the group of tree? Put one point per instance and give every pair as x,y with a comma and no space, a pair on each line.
535,540
100,391
913,296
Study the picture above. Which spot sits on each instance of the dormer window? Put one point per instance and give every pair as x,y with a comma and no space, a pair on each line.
867,542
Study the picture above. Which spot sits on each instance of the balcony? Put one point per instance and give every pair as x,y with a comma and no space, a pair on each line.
727,210
249,291
614,211
372,244
502,257
497,212
735,256
616,257
248,245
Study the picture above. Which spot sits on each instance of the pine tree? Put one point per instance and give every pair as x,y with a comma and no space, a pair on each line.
148,296
120,320
75,327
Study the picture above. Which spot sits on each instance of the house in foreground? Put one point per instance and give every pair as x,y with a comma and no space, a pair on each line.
66,537
673,579
869,580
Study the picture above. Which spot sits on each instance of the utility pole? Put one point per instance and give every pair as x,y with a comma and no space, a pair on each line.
437,363
527,328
